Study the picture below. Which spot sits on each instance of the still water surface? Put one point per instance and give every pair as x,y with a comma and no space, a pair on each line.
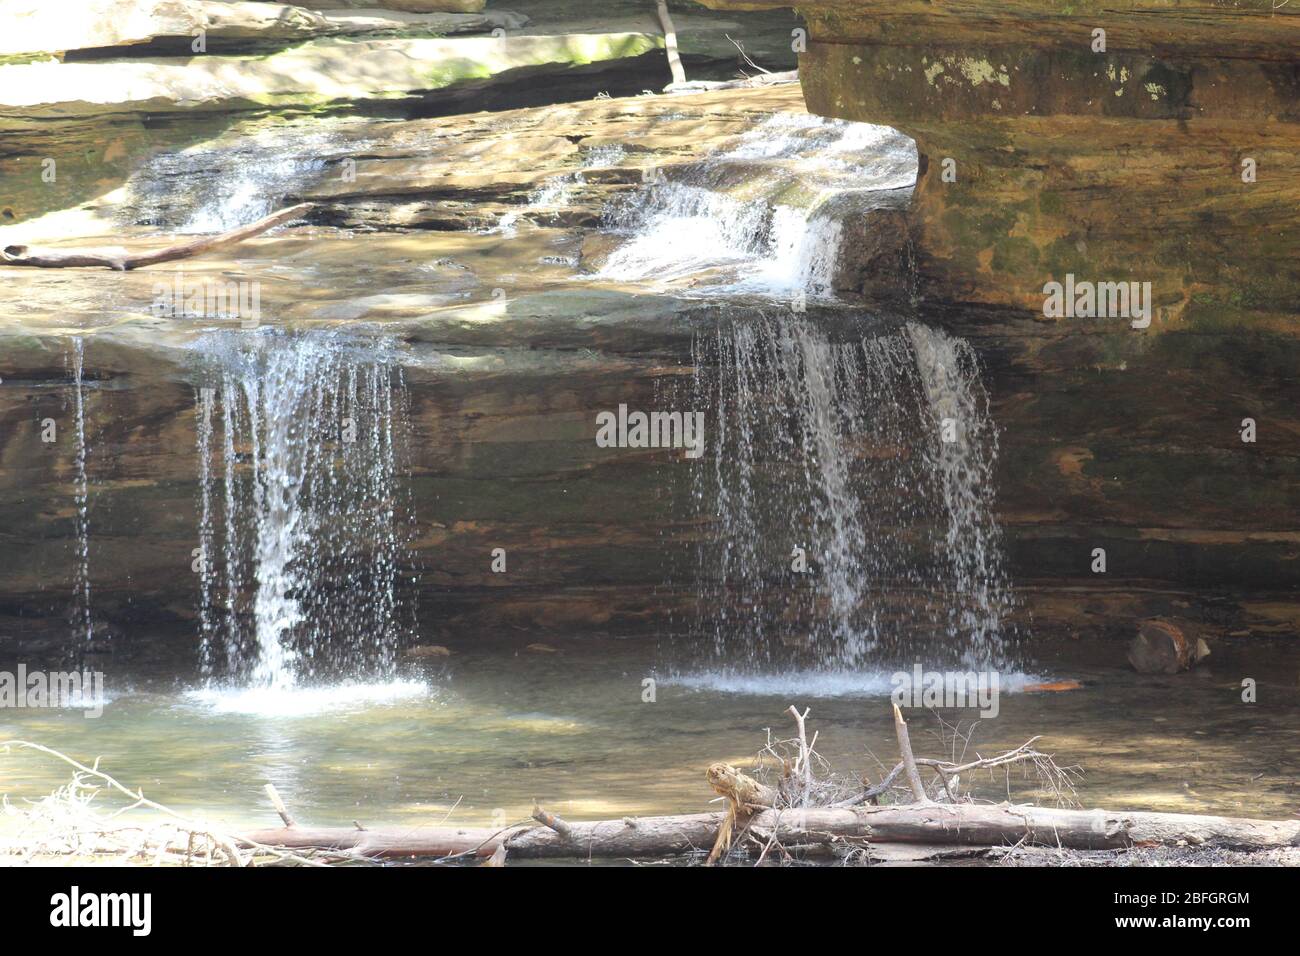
494,726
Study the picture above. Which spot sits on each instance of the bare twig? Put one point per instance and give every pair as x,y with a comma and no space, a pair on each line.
280,808
66,823
803,764
745,56
551,820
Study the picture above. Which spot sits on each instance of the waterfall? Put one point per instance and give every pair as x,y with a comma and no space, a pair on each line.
82,623
203,437
761,217
312,578
847,531
802,256
962,468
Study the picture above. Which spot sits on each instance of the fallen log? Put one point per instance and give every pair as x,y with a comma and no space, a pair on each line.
759,817
929,823
123,261
383,842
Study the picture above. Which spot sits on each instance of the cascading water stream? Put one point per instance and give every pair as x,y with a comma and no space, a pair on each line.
961,456
208,190
850,492
848,531
81,616
305,548
762,217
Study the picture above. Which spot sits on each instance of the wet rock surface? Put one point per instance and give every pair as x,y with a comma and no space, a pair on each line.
485,240
1048,150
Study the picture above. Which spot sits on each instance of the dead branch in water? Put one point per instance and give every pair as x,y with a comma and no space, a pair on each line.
69,823
802,769
744,796
123,261
909,761
274,796
1056,780
547,819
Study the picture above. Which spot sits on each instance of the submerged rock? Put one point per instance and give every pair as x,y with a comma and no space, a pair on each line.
428,650
1161,647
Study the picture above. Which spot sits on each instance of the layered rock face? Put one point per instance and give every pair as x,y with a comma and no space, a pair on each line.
1141,141
1113,438
1164,151
93,86
505,365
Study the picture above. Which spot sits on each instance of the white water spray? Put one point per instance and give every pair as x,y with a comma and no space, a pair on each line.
829,453
761,217
315,525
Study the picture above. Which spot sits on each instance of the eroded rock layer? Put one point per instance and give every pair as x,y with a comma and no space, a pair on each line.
1142,141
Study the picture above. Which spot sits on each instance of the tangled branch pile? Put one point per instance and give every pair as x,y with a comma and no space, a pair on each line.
94,816
805,780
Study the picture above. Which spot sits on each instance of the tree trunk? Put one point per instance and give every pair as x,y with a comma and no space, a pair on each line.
931,823
670,43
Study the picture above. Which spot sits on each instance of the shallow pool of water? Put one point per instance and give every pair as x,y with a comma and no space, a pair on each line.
480,734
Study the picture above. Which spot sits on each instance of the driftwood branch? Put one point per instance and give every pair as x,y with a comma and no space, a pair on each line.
744,795
548,819
274,796
803,763
122,261
909,761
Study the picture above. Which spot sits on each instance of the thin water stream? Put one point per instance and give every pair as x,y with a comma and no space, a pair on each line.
81,610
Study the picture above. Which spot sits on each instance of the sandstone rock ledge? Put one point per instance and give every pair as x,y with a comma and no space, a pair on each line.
38,30
1122,164
315,74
